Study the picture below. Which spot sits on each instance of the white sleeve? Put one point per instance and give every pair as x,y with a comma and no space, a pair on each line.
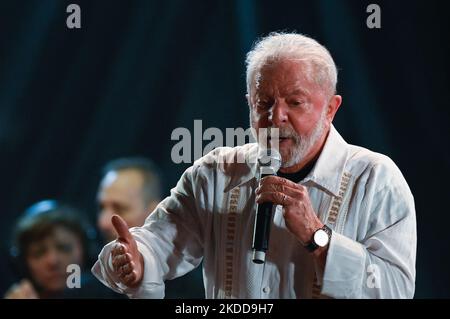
382,263
170,241
151,287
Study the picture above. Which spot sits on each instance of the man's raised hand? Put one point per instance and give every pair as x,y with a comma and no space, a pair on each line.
127,261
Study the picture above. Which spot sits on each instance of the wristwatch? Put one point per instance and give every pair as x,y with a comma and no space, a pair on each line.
320,238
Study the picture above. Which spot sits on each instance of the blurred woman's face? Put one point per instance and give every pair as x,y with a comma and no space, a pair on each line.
48,259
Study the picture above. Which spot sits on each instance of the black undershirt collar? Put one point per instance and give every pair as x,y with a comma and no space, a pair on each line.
299,175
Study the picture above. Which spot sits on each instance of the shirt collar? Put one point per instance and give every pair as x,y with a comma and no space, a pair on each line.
244,172
328,170
326,173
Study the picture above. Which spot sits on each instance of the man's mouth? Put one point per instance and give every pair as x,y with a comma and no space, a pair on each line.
280,140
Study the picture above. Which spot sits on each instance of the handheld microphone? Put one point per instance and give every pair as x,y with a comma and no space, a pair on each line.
269,161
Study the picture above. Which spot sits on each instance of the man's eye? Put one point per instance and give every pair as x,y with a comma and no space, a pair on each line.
296,103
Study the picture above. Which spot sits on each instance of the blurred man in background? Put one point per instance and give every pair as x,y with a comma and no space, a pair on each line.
130,188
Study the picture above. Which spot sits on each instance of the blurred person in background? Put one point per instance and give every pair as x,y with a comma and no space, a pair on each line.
48,238
131,187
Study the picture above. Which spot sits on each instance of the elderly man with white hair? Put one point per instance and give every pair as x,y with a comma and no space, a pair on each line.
344,224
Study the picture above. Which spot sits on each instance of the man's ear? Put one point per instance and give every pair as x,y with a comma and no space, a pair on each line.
333,105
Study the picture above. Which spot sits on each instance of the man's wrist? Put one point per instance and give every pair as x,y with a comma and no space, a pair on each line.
307,234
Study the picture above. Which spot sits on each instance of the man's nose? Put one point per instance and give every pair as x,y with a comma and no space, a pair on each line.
278,113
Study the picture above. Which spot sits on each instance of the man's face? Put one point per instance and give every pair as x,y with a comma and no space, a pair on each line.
121,193
47,259
283,97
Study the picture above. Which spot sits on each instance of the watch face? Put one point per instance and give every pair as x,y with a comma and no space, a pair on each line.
321,238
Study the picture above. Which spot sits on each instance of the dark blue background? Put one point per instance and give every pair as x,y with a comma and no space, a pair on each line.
72,99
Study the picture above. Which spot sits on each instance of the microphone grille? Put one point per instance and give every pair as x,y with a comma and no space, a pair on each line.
269,157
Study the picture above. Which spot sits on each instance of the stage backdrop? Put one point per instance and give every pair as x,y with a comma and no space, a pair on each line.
72,99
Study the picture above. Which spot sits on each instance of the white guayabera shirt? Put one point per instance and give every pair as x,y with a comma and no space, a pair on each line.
209,217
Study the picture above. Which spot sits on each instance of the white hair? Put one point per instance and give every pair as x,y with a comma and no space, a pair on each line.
320,67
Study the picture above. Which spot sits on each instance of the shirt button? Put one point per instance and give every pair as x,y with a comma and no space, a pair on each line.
266,290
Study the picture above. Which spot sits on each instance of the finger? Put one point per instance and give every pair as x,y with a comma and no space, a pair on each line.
296,194
120,260
128,279
280,188
127,268
121,228
281,181
276,198
119,249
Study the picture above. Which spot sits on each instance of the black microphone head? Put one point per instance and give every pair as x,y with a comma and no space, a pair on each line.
269,157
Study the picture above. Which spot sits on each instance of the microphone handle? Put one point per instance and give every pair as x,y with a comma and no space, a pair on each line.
261,231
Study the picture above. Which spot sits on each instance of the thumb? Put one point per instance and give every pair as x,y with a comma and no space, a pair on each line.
121,228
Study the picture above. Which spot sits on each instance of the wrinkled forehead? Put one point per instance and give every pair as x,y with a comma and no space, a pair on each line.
285,77
286,74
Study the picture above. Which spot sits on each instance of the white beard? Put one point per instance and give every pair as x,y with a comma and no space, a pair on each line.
303,144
